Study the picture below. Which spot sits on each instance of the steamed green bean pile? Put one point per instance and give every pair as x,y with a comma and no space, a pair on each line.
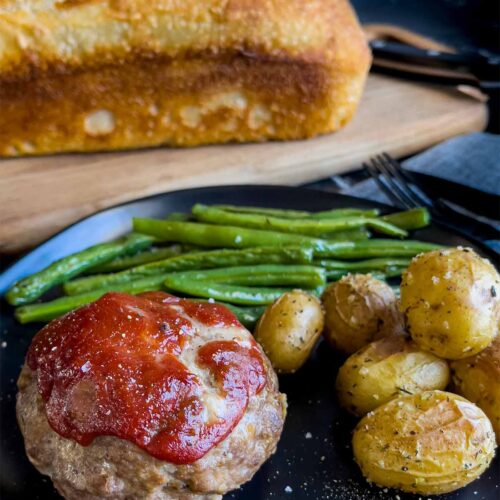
244,257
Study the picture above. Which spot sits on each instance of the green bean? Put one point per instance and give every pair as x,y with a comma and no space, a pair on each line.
393,271
47,311
276,212
415,218
386,267
377,248
194,260
211,235
298,214
178,216
31,288
336,274
226,293
147,283
344,212
349,235
311,227
363,265
260,275
125,262
410,219
228,236
390,272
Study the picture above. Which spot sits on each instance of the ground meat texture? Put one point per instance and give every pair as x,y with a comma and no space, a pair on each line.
110,466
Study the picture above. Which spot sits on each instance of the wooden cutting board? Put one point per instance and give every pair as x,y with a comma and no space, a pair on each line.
40,196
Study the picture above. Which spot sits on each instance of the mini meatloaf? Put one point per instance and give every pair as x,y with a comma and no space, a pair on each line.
148,397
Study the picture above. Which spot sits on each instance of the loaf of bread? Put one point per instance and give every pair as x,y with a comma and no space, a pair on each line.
96,75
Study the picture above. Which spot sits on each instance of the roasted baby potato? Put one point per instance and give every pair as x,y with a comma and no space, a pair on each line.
358,310
289,329
478,379
450,300
385,369
428,443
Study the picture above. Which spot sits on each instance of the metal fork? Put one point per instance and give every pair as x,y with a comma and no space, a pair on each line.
392,179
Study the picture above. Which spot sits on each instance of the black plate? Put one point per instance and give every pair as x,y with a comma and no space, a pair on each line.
314,458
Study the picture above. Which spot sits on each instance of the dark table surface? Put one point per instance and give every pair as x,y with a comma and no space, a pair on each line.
463,24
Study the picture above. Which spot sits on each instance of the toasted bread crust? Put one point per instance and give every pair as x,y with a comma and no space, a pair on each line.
179,73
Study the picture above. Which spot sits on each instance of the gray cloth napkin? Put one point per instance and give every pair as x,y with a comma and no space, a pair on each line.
472,159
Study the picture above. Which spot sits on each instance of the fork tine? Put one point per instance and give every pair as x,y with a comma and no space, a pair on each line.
397,165
382,183
406,181
381,166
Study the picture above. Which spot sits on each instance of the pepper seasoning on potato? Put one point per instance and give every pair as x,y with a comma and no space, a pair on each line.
428,443
358,310
385,369
478,379
450,300
289,328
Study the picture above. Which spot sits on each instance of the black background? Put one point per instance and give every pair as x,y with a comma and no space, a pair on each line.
463,24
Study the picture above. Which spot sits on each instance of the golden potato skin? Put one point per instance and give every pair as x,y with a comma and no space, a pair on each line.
289,329
385,369
450,300
478,379
429,443
358,310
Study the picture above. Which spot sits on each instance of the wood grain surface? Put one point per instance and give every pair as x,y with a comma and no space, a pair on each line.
40,196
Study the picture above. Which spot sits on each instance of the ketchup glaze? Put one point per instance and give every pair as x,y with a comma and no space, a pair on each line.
113,368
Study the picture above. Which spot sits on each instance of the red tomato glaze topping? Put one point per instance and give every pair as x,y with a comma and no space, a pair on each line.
113,368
